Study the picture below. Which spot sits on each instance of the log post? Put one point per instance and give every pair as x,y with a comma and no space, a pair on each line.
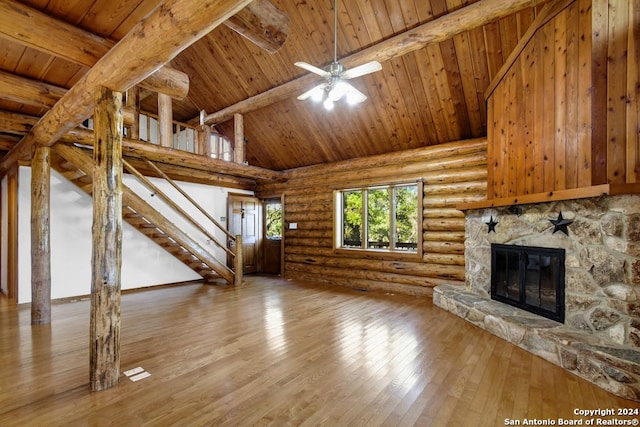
204,140
238,262
165,120
107,241
40,243
12,233
238,139
133,102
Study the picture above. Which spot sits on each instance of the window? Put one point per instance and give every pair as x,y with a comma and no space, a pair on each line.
273,220
381,218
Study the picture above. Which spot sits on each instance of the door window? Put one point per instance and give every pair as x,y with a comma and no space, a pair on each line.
273,220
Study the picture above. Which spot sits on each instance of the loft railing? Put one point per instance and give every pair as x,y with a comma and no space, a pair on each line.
185,138
234,241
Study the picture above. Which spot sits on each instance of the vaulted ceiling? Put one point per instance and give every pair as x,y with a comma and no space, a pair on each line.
428,96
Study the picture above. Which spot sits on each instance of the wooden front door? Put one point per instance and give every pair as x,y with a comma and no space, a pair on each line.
244,219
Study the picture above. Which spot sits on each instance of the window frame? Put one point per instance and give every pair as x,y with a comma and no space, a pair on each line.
391,251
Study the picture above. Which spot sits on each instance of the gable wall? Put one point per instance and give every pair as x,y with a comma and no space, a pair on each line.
565,113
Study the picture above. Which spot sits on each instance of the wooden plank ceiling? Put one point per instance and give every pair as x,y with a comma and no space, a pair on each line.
430,96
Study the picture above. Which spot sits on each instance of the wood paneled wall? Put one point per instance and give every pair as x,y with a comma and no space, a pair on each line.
564,112
619,49
451,173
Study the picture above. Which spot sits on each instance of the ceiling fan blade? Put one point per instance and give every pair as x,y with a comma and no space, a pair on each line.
354,96
361,70
312,68
316,91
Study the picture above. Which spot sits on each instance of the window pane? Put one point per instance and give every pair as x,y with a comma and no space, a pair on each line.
406,211
274,220
352,219
378,218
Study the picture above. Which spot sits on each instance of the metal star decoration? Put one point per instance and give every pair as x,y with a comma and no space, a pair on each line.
492,225
561,224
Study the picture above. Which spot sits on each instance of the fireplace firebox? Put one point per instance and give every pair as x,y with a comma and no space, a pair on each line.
530,278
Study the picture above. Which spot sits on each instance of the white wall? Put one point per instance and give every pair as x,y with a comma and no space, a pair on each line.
143,262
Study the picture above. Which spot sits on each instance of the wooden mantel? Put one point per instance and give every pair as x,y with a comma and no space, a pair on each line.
554,196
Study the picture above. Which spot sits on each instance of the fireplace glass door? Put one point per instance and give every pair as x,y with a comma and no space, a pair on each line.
530,278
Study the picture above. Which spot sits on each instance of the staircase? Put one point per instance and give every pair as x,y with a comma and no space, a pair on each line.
142,224
76,164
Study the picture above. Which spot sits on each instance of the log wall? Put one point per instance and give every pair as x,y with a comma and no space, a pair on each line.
451,173
564,113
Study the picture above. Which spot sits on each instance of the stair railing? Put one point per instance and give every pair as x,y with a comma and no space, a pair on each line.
84,163
235,240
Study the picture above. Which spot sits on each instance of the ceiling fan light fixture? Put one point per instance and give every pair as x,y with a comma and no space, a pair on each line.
338,90
318,94
328,104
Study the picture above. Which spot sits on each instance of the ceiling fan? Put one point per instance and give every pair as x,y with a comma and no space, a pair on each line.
335,85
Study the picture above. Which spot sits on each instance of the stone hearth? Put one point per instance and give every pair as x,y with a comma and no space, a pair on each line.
600,339
615,369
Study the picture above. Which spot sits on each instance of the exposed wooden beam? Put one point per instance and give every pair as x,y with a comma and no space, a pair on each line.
8,141
155,40
167,81
262,23
27,91
438,30
32,92
188,174
180,158
16,123
30,27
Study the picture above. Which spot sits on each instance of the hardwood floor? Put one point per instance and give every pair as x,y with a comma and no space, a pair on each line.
275,352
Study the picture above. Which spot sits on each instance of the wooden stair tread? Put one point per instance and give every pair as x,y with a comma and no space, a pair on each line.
72,174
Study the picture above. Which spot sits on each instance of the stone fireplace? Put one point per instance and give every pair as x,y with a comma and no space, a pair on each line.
599,339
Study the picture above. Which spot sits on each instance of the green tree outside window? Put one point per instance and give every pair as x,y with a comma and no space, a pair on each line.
273,221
